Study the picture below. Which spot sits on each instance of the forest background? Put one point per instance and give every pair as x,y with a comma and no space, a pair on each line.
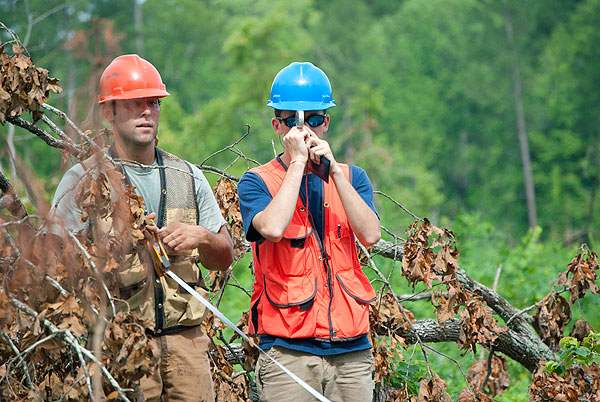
481,115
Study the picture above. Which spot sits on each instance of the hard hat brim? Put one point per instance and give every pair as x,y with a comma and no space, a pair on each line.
137,94
301,105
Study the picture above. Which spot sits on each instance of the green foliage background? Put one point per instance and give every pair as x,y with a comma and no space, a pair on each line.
425,104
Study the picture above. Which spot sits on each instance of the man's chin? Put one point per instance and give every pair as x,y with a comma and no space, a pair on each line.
146,137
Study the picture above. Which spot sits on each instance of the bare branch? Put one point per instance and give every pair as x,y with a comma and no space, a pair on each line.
220,172
233,149
19,356
56,129
397,203
15,37
47,138
70,123
452,360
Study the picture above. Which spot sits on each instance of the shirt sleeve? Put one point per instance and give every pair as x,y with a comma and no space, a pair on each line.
209,213
65,214
254,198
362,185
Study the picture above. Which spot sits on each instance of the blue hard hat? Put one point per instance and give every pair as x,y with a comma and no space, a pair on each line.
301,86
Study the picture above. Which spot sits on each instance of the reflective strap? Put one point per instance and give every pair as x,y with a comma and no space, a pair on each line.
216,312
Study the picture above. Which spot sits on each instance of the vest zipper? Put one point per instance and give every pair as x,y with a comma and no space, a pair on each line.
324,255
324,258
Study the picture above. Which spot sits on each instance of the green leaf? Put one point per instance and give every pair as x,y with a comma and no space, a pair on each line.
584,352
552,367
568,342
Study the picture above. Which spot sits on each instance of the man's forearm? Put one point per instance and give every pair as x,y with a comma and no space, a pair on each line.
216,250
362,219
273,221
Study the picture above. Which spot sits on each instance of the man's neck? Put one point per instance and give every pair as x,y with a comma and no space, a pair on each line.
285,158
143,155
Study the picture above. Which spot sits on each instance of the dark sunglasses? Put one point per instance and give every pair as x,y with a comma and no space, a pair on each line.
314,121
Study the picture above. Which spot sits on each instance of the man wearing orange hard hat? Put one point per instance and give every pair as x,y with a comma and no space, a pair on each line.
188,221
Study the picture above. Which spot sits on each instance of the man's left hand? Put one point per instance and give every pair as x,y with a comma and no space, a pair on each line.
318,148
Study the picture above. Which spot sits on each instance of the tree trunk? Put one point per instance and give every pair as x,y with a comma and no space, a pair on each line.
523,140
595,158
69,87
138,25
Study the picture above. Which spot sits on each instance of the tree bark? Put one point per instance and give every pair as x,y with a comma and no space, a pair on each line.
511,343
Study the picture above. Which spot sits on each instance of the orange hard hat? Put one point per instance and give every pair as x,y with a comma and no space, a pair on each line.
130,77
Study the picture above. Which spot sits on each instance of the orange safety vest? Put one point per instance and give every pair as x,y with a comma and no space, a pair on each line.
306,287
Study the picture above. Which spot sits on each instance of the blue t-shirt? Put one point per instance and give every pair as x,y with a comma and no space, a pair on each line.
254,198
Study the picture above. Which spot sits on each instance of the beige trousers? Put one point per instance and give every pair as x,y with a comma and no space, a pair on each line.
341,378
183,373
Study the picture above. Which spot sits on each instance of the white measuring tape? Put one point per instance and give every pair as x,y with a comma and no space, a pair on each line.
216,312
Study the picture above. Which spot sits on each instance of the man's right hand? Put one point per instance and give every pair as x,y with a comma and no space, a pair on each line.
150,227
295,142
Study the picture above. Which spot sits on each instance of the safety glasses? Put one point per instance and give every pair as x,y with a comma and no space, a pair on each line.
314,121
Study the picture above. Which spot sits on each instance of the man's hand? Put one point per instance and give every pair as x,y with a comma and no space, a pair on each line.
319,148
296,145
182,237
150,229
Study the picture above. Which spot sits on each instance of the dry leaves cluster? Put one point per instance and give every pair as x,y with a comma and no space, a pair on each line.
387,320
230,384
581,383
22,85
554,312
495,383
421,263
54,293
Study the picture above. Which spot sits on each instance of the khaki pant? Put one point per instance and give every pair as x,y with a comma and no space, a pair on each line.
341,378
183,373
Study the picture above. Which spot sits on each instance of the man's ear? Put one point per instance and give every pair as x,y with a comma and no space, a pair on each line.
326,123
107,109
277,126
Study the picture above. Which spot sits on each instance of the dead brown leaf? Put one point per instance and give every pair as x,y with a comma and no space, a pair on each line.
551,319
581,274
228,201
433,390
477,325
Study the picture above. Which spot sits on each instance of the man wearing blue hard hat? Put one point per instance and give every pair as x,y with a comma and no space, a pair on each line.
302,211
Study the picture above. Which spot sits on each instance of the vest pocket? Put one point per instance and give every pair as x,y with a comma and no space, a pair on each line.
293,256
133,275
297,232
356,284
343,248
291,291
